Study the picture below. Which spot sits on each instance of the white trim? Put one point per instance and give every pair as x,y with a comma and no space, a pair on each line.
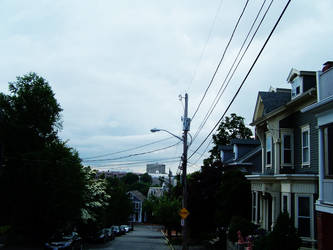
306,128
271,149
290,133
324,208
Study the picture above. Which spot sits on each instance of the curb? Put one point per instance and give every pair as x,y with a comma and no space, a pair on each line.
167,241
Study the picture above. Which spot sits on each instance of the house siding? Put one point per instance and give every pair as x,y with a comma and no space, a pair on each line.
295,122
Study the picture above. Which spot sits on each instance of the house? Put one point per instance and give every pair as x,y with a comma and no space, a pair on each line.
323,111
242,154
289,141
157,191
137,199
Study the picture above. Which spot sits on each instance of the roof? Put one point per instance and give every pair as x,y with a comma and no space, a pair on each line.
273,100
138,195
245,141
225,147
244,158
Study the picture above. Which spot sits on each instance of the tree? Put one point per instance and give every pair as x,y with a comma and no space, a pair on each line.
234,197
42,181
232,127
120,206
146,178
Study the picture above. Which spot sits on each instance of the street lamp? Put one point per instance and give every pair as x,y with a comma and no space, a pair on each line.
153,130
186,128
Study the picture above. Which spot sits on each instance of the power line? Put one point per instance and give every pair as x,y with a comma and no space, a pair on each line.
165,160
220,62
225,82
205,46
248,73
126,150
132,155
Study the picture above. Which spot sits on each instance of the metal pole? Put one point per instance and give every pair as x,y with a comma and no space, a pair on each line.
186,128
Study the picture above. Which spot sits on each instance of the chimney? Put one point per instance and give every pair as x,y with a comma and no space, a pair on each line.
327,65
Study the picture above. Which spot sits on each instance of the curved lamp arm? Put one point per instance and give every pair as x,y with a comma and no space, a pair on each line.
157,130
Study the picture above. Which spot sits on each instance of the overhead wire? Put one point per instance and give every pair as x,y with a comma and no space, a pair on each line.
225,82
127,150
220,62
205,46
132,155
245,78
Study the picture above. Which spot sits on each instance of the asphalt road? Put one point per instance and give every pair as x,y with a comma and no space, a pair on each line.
144,237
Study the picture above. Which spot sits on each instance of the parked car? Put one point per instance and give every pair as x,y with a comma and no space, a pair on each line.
125,227
110,233
116,230
70,240
100,236
131,225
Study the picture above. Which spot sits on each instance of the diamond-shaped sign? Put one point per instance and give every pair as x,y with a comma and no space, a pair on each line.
184,213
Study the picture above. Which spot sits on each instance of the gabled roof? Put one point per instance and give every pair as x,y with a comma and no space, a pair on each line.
267,101
273,100
138,195
243,160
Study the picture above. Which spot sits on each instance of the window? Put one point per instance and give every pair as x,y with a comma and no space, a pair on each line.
287,149
304,216
306,145
268,149
328,150
296,87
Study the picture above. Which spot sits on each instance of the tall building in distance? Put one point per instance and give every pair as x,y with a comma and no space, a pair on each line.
155,168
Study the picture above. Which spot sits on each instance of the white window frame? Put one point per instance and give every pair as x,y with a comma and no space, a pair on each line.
306,128
291,134
297,82
297,196
268,134
325,151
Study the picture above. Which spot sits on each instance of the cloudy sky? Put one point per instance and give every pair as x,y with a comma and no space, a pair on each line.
118,67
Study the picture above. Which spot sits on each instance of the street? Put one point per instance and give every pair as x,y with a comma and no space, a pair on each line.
144,237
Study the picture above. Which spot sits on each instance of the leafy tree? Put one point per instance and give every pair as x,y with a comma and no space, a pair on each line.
120,206
203,200
165,211
42,181
232,127
130,179
234,197
146,178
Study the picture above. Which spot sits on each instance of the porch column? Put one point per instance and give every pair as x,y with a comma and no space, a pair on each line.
321,163
277,148
276,208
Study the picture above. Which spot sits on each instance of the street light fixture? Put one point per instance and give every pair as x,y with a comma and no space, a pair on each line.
153,130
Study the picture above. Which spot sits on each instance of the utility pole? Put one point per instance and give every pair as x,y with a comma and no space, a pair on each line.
186,128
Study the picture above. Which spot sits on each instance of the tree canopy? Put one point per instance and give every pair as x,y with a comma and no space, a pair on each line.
41,181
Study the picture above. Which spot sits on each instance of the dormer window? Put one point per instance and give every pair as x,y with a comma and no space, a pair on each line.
301,81
296,87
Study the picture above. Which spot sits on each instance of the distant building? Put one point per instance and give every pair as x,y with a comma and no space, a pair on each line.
137,199
156,168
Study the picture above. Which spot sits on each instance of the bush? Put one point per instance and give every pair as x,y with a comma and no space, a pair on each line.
240,224
284,236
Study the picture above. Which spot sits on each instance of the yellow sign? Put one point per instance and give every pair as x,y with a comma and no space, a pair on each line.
184,213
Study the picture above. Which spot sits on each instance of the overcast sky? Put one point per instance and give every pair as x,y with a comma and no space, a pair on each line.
118,67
